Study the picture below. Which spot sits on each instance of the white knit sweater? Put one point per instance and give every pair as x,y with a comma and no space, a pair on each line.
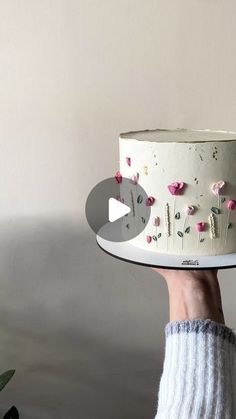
198,379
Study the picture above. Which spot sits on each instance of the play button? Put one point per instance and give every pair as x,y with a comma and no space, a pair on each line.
116,210
122,205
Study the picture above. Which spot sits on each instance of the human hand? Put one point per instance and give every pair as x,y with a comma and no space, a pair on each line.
193,294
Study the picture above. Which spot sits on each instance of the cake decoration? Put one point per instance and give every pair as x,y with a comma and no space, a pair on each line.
175,187
139,199
155,223
212,222
231,205
189,209
149,201
145,170
216,188
200,227
215,210
149,239
118,177
128,161
134,178
132,202
167,223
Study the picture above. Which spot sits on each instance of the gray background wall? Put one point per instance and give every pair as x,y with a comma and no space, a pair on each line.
83,330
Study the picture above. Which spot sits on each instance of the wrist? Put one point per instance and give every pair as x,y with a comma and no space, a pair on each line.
194,296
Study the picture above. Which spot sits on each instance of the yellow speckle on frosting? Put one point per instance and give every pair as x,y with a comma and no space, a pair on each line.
145,170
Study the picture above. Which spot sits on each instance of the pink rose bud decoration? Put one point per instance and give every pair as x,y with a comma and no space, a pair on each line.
231,204
128,161
149,201
189,209
175,187
200,226
216,187
149,239
118,177
156,221
134,178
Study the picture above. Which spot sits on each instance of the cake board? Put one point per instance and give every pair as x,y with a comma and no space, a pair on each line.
127,252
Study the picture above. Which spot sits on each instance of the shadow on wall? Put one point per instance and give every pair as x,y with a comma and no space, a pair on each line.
84,331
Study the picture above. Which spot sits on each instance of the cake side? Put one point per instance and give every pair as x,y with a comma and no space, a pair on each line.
192,190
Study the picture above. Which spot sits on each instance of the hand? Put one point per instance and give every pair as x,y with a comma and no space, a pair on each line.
193,294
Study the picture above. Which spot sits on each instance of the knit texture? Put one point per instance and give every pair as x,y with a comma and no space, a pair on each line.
198,376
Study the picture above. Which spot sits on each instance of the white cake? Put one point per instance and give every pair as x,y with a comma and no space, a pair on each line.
190,179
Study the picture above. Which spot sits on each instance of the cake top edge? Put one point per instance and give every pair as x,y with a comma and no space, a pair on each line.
180,135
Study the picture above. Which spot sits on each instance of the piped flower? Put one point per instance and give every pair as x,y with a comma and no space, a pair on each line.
134,178
149,201
149,239
156,221
200,226
118,177
216,187
189,209
231,204
175,187
128,161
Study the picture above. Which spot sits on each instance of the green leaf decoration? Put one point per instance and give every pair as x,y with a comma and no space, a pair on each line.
187,230
180,234
139,199
154,238
177,216
202,240
143,220
215,210
5,377
223,199
159,235
12,413
229,225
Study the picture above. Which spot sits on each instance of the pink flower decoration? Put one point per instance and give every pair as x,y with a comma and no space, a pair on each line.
156,221
149,239
216,187
134,178
118,177
175,187
189,209
128,161
200,226
149,201
231,204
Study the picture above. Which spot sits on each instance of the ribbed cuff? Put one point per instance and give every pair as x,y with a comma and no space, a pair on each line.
198,373
200,326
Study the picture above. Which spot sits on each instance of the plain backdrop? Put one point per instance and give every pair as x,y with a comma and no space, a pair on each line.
84,331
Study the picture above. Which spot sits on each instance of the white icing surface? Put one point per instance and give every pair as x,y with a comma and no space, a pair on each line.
198,166
180,135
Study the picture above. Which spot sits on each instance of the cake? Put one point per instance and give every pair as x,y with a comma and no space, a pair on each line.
189,177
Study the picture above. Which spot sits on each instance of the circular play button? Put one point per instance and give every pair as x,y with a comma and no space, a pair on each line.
122,203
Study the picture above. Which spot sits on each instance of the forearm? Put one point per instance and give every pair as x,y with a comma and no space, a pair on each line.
198,374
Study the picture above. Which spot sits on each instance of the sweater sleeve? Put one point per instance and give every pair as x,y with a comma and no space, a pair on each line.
198,372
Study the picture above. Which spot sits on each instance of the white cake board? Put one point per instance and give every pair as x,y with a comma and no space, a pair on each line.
129,253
